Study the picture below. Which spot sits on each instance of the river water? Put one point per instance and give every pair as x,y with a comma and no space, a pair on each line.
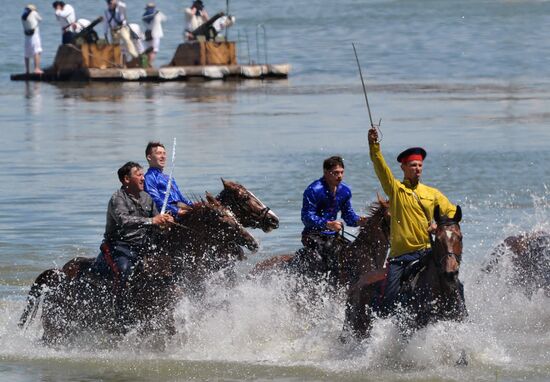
467,80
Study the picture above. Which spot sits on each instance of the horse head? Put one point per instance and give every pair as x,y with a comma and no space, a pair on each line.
249,210
447,244
220,224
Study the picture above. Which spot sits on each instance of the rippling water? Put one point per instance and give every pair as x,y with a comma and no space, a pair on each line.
467,80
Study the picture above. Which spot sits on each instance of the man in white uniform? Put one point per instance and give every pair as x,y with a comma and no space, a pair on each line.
33,45
66,16
196,15
152,20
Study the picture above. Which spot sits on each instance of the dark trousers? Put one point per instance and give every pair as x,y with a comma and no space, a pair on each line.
396,267
125,259
67,37
118,261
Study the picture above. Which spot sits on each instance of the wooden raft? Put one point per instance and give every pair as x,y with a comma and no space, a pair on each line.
193,60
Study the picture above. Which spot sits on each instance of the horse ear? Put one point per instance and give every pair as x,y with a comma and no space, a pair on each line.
458,214
224,183
437,214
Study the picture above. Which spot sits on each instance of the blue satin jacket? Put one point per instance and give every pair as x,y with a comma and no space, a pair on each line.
320,206
156,183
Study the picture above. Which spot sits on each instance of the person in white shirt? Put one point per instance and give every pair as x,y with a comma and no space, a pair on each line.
66,16
33,45
116,23
137,38
152,20
195,15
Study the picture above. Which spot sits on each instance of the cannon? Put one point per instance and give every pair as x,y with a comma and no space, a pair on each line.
88,34
213,26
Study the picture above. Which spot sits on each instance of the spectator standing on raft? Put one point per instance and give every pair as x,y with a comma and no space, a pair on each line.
33,45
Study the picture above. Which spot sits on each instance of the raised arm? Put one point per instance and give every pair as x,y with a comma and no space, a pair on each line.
383,172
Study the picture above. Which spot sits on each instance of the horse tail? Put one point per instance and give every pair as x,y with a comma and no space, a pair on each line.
47,280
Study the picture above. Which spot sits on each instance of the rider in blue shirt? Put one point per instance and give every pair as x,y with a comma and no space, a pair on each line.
323,199
156,182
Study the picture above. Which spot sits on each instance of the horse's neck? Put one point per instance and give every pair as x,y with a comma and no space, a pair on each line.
432,279
371,245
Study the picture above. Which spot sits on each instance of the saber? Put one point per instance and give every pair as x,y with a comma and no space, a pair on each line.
169,186
364,87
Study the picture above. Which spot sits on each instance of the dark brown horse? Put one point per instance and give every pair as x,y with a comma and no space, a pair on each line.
363,256
529,256
76,299
433,293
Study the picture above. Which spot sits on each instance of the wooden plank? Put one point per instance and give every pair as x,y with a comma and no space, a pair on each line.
151,74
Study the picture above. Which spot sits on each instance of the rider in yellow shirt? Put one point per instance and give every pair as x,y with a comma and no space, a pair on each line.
412,207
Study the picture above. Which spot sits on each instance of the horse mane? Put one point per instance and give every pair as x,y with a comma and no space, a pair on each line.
230,187
375,211
375,208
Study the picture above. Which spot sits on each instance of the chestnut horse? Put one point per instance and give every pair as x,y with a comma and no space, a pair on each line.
530,261
76,299
433,293
365,255
249,210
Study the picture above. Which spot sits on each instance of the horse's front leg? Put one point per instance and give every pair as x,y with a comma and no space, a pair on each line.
359,313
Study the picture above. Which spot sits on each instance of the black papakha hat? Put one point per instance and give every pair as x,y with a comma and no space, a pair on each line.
413,153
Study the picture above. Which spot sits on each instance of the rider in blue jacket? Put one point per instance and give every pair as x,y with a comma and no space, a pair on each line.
323,199
156,182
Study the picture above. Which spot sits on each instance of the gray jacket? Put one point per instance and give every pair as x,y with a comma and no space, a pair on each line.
129,219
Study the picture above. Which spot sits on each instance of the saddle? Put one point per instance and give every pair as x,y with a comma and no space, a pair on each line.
410,276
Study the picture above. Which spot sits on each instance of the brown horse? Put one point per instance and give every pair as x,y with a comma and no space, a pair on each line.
76,299
363,256
249,210
431,294
529,255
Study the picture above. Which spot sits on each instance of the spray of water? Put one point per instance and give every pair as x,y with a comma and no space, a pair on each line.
283,321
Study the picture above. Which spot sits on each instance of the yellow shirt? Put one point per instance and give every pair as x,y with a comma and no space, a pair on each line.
409,224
